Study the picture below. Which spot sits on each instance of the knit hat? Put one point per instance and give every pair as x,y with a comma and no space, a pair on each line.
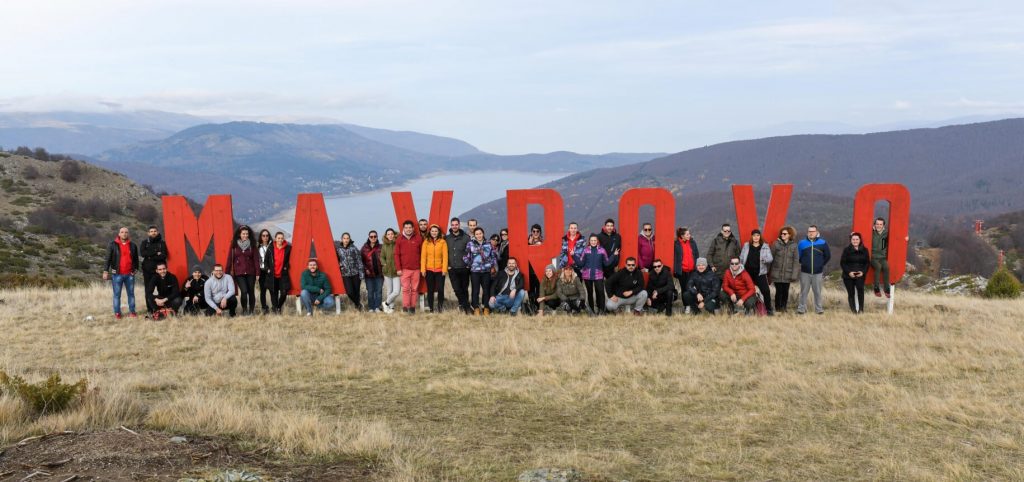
702,261
197,268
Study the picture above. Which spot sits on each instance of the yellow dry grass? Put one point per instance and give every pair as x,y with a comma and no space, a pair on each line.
934,393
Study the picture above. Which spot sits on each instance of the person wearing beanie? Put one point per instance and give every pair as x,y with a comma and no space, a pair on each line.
702,288
192,291
549,291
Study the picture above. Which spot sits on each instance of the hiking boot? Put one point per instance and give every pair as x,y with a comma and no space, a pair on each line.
476,311
487,311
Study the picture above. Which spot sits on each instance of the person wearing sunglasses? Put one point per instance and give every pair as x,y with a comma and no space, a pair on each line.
626,289
722,248
756,257
374,273
503,249
266,277
661,290
739,288
645,247
785,268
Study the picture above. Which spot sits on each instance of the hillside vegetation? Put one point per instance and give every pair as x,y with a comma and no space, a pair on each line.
932,393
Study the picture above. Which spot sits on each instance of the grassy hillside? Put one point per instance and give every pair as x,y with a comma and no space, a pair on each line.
930,394
53,229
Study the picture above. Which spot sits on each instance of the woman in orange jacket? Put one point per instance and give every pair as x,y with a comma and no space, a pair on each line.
434,266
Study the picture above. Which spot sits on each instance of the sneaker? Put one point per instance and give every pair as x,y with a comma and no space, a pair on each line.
476,311
309,314
888,295
132,315
686,310
388,308
878,292
117,316
487,311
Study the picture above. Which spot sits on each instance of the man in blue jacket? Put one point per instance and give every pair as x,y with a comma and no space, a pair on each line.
814,254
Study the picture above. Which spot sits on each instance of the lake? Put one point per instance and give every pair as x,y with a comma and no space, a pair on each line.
359,213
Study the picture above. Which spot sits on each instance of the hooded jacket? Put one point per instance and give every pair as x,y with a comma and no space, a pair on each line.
407,251
371,260
721,250
387,258
785,262
592,260
677,257
153,251
480,257
506,282
350,259
565,257
456,244
740,284
624,280
113,264
705,283
766,257
570,290
434,254
854,260
813,255
644,251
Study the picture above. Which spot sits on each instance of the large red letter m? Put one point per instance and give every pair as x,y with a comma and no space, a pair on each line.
215,224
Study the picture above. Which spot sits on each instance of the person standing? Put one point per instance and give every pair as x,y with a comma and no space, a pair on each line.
854,262
392,281
503,248
661,291
163,293
482,262
458,272
739,287
407,265
684,259
220,294
424,225
814,254
571,243
626,288
593,260
756,257
702,289
243,267
194,293
350,260
374,276
612,243
316,289
645,247
434,267
785,267
153,251
279,272
722,248
265,250
880,257
508,292
121,265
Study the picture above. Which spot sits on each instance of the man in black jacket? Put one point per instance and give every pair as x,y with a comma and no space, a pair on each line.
661,290
458,272
611,242
162,292
153,251
626,288
193,293
702,289
508,292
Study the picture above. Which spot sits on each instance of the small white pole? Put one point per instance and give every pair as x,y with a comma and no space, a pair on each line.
892,297
337,304
298,306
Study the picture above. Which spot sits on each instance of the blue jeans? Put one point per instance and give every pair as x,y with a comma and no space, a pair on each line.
507,303
307,301
373,292
128,282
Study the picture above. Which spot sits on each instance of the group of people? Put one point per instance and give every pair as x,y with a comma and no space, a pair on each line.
731,275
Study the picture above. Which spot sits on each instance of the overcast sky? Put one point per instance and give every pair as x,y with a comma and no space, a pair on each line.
514,77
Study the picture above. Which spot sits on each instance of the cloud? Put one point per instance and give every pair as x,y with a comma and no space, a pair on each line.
986,105
901,105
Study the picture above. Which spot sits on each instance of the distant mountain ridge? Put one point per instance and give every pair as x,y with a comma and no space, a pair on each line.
89,132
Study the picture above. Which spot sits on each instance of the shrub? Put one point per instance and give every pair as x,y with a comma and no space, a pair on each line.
49,396
41,154
146,213
70,171
30,172
1003,284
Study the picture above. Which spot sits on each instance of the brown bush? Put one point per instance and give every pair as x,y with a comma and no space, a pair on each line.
70,171
30,172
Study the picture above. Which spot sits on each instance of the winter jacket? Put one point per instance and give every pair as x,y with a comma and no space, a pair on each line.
705,283
456,244
813,255
350,259
577,246
721,250
677,257
766,257
661,283
371,260
217,290
165,287
592,261
854,260
195,288
502,254
387,259
480,257
407,252
114,257
548,291
153,251
243,262
610,242
785,262
434,256
270,266
570,290
879,244
740,285
314,283
504,283
644,251
624,280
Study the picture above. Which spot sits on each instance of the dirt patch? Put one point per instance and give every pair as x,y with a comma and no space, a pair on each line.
119,455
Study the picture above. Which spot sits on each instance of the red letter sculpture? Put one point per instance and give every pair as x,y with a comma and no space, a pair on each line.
746,211
899,222
664,219
538,255
215,224
312,226
405,210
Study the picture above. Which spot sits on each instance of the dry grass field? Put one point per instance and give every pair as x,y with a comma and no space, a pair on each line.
934,393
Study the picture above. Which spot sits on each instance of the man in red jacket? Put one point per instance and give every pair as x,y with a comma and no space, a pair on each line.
739,287
122,263
407,263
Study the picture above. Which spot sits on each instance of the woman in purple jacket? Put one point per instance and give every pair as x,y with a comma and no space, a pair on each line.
244,266
592,260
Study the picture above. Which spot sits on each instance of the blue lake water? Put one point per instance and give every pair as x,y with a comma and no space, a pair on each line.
359,213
